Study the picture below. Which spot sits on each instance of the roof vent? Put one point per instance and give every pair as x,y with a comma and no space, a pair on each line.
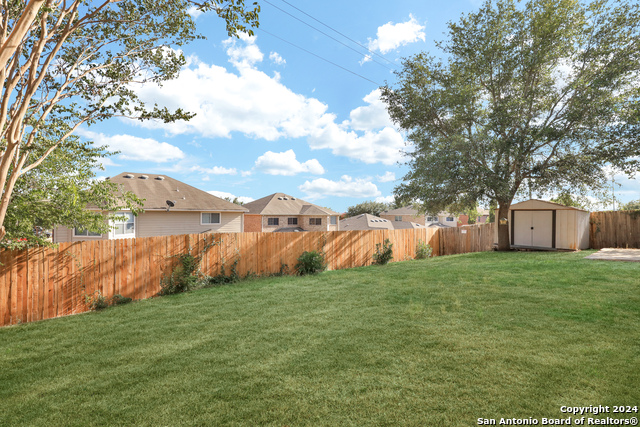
128,176
160,178
284,198
144,177
279,198
293,198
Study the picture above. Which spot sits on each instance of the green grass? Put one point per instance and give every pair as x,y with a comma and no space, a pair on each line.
439,342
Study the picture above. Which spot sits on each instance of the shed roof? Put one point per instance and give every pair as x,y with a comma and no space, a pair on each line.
157,189
542,205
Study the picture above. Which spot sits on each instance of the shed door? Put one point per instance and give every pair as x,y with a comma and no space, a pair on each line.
533,228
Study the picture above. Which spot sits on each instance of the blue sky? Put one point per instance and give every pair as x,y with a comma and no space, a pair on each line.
274,118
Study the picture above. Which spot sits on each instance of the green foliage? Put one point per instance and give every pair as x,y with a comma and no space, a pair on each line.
576,201
77,64
223,278
58,193
538,95
630,206
182,278
311,262
384,252
423,250
96,301
370,207
118,299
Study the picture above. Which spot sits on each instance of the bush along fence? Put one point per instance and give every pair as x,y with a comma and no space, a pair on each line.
614,229
43,283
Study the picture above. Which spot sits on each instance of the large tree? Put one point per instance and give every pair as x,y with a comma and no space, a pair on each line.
59,191
65,63
371,207
535,96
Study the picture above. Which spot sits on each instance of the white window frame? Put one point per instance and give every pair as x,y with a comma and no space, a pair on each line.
398,218
112,232
75,234
450,219
432,219
333,220
211,223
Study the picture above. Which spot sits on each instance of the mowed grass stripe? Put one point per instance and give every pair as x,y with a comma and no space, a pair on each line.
438,342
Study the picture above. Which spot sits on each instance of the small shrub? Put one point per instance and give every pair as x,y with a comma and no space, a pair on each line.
183,278
384,252
96,301
310,263
423,250
222,278
118,299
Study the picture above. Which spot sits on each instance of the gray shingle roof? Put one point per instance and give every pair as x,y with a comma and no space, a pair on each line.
283,204
365,222
157,189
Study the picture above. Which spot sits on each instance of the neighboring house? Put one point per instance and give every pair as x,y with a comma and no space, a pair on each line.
281,212
411,214
193,211
365,222
372,222
483,217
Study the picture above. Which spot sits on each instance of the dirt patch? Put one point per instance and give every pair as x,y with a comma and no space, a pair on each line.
614,254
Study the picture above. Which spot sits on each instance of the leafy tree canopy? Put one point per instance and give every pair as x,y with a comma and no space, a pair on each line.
631,206
69,63
540,95
370,207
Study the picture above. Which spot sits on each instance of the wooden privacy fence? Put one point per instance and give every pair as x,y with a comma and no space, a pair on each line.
43,283
614,229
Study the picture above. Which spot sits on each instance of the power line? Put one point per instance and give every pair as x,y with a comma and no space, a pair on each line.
327,35
338,32
319,57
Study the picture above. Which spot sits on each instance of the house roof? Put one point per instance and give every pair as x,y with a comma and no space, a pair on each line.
410,210
365,222
534,204
402,225
438,225
157,189
283,204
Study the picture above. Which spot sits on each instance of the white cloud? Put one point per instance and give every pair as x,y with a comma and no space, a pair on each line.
346,187
223,195
194,12
216,170
135,148
373,147
286,164
261,107
372,116
245,56
385,199
387,177
392,36
276,58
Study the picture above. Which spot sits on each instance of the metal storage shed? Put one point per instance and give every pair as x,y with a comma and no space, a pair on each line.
547,225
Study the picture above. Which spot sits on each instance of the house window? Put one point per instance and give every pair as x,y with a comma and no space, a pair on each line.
450,218
334,220
398,217
209,218
292,221
273,221
432,219
82,232
124,227
315,221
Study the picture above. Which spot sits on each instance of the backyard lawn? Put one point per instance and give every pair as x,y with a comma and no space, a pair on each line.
439,342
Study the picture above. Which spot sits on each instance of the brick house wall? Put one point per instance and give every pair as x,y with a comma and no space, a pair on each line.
252,223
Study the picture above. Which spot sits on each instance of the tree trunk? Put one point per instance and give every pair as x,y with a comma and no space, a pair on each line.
504,244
